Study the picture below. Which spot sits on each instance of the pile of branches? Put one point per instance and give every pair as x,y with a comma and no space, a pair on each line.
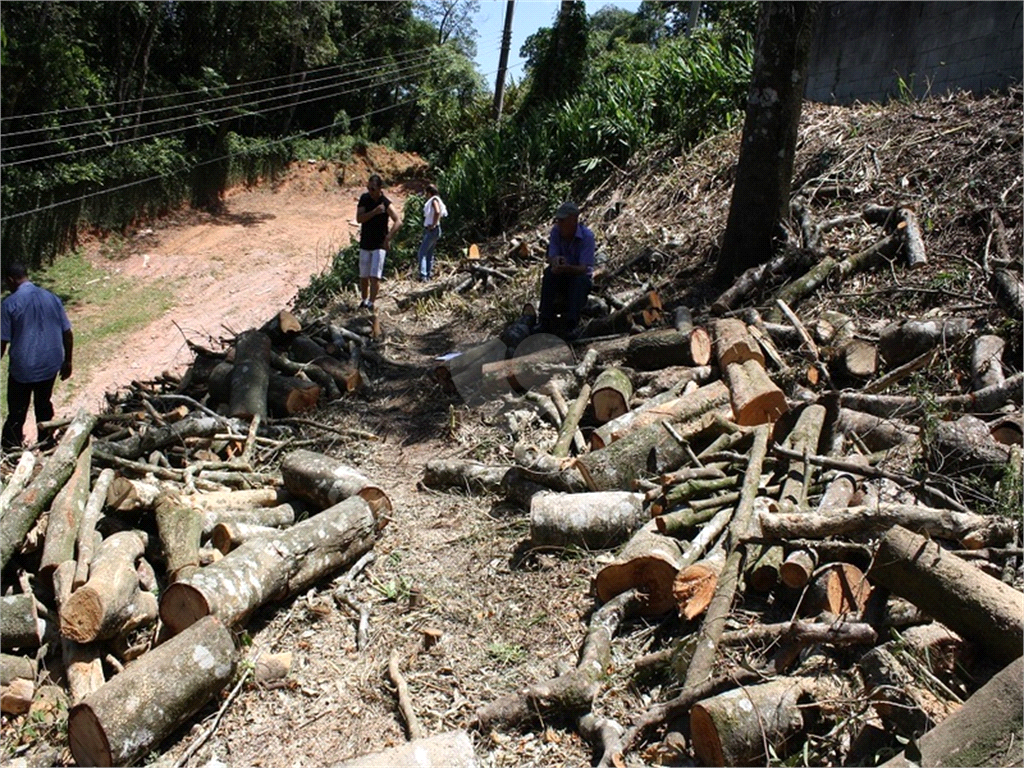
137,548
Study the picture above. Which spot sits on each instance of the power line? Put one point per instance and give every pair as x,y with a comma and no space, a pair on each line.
303,134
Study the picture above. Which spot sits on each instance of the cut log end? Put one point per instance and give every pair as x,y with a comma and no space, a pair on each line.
88,742
82,615
704,732
182,605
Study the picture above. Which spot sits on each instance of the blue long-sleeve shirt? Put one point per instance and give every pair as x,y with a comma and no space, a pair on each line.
577,250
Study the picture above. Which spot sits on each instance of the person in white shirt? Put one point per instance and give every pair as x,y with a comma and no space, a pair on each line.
433,211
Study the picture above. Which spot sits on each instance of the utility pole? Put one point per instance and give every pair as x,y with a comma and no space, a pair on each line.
692,18
506,43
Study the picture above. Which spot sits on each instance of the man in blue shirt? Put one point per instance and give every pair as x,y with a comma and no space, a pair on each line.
34,324
568,277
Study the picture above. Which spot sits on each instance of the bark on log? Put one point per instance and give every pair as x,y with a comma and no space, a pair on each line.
570,425
16,667
754,396
180,528
680,525
896,696
287,395
974,530
763,568
647,306
732,343
987,361
471,476
754,278
966,446
587,520
20,623
877,433
610,395
736,727
325,481
446,750
1008,291
803,438
17,481
141,706
328,386
66,513
86,539
938,647
901,341
282,327
267,569
155,439
971,603
661,348
698,488
649,563
839,589
98,609
26,507
987,400
797,568
670,406
305,350
986,730
694,585
526,371
83,668
221,501
913,244
127,495
251,376
230,535
676,378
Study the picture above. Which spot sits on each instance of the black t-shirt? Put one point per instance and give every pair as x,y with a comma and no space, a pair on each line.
373,232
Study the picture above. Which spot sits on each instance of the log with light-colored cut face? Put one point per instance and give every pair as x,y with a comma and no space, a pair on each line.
732,343
325,481
588,520
610,395
755,398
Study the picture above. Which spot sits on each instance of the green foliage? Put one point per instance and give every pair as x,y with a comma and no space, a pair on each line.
507,654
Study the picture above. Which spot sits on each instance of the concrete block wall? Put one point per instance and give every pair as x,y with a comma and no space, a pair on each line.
862,50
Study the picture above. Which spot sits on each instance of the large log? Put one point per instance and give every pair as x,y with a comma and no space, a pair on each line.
282,327
694,585
610,394
137,709
971,603
901,341
251,376
966,446
180,528
471,476
646,308
1008,291
305,350
803,438
732,343
877,433
588,520
325,481
66,513
667,347
328,386
856,360
736,727
83,668
987,400
649,562
86,540
986,730
839,589
26,507
17,481
754,396
21,627
288,395
901,703
446,750
265,569
98,609
987,361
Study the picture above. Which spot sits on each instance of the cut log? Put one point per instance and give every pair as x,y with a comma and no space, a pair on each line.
251,376
66,513
652,449
856,360
180,528
230,535
670,406
99,609
517,331
736,727
1008,430
986,730
16,698
971,603
1008,291
649,563
305,350
938,647
218,501
913,243
803,438
840,588
901,341
896,696
987,400
732,343
754,396
325,481
83,668
661,348
570,425
966,446
765,564
265,569
21,627
987,361
125,494
288,395
675,378
646,306
137,709
282,327
587,520
86,539
328,386
536,361
17,481
694,585
680,524
446,750
877,433
132,448
754,278
470,476
25,508
611,393
16,667
797,568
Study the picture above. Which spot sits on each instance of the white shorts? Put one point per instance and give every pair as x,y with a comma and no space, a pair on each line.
371,263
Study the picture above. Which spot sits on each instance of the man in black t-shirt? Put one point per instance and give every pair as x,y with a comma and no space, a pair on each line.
372,213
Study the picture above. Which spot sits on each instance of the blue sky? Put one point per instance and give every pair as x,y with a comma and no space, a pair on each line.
529,16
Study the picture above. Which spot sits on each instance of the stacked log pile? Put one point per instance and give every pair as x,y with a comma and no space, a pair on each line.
154,531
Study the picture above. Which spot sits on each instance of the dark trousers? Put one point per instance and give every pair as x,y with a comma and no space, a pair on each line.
18,396
565,293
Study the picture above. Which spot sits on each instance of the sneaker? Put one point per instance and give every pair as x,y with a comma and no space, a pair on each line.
364,304
369,305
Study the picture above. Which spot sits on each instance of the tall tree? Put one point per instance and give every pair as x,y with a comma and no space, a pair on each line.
561,65
760,196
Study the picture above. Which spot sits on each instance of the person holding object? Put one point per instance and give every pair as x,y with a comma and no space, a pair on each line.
372,213
433,211
36,327
568,277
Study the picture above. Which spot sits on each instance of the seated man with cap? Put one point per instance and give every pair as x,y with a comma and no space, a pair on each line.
567,279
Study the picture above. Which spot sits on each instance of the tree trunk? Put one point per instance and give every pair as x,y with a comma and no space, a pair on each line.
220,501
906,339
471,476
325,481
251,376
987,400
328,386
971,603
649,563
734,728
966,446
20,624
154,439
610,395
760,198
98,609
66,513
282,328
26,507
646,307
180,528
732,343
586,520
939,648
840,589
877,433
138,708
287,395
896,696
446,750
987,362
87,529
665,407
230,535
267,569
754,396
668,347
1008,291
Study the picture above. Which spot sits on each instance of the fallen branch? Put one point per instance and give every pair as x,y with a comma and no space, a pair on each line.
404,703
